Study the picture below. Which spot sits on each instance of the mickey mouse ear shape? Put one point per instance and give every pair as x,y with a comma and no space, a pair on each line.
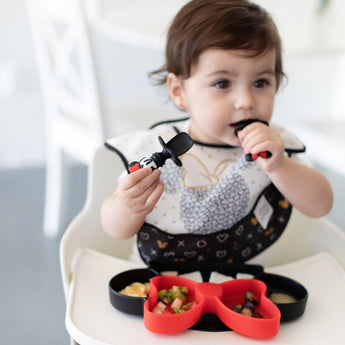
176,147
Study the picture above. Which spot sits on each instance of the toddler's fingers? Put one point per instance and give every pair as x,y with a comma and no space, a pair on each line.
144,203
254,133
154,196
255,143
135,177
142,194
144,186
260,147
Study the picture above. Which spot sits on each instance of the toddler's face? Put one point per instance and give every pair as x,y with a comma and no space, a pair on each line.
225,87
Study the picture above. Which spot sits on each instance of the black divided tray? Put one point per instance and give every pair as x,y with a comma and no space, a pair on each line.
208,322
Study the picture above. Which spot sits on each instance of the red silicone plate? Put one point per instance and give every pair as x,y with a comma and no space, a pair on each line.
217,299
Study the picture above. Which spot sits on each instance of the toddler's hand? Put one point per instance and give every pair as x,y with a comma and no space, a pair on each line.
258,137
140,191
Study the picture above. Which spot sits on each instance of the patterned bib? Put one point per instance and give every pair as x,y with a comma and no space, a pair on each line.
216,207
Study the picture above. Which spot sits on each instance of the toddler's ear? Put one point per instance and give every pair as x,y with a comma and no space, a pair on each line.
176,92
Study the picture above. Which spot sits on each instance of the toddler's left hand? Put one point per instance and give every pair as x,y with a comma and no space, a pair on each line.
256,138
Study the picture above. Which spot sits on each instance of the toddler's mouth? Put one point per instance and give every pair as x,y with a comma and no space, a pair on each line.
243,123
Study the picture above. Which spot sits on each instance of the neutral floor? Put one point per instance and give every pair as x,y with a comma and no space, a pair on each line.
32,305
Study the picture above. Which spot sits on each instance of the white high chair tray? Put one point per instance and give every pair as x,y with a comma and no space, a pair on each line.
91,319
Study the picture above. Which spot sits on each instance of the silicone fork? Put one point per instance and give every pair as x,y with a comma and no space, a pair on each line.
252,157
177,146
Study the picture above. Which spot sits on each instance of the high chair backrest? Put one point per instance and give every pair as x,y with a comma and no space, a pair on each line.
86,230
68,77
305,236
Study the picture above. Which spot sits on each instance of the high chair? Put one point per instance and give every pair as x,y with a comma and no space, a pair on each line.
303,237
78,119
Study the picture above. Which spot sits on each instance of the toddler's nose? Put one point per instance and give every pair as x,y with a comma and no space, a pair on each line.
244,99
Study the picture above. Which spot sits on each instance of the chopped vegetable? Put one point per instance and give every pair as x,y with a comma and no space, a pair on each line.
177,303
159,308
168,296
174,301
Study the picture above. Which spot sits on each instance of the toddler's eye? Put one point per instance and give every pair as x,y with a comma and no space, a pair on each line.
261,83
222,84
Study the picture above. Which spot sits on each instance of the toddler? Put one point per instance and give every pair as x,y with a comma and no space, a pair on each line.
223,66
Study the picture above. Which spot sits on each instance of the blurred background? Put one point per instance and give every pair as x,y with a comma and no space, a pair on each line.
125,42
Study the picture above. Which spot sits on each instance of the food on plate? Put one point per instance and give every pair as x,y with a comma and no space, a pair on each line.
173,301
136,290
248,308
280,297
250,297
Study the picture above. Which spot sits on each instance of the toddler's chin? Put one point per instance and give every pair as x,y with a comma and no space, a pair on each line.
232,140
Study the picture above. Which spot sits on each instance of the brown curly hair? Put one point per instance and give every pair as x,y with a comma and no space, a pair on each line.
221,24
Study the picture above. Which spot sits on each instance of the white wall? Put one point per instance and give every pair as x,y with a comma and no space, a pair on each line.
304,28
21,115
315,88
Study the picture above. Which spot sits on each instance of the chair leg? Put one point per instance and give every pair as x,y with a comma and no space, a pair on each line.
56,185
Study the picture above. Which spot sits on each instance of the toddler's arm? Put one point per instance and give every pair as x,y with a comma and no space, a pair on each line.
306,188
124,212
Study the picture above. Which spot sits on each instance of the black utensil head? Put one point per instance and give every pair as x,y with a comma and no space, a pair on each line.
241,124
180,143
176,147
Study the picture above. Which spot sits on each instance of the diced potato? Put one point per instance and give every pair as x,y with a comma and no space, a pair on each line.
135,290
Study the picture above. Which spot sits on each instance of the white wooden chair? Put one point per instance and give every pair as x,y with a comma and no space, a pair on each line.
77,119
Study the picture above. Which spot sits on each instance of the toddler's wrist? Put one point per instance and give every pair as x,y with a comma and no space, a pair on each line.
277,166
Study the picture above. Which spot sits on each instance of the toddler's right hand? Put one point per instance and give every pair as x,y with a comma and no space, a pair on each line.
140,191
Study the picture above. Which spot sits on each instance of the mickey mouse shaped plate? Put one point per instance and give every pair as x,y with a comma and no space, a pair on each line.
219,299
212,304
